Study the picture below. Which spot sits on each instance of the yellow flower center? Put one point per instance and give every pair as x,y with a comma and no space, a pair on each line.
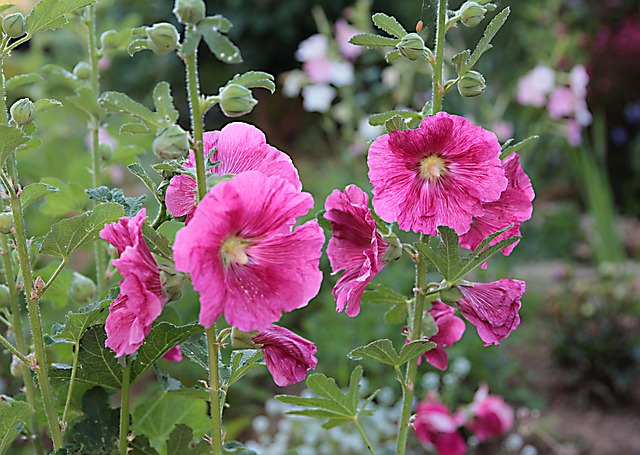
232,251
432,167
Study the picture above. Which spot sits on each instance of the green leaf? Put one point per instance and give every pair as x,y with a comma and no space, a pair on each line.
372,41
56,71
217,22
509,149
67,235
10,139
163,336
254,79
134,128
381,118
164,102
180,442
20,80
13,414
414,349
442,253
3,8
158,243
119,102
395,123
397,314
35,191
70,198
76,324
236,448
379,351
242,362
482,254
485,42
220,45
389,24
58,292
97,431
140,446
131,205
196,351
49,14
137,170
85,100
137,45
378,293
393,56
460,59
46,104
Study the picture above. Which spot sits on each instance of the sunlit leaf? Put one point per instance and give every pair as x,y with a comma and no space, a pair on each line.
13,413
389,24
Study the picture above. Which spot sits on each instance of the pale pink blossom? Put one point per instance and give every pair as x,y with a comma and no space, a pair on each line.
317,97
437,175
312,48
435,426
318,70
343,32
534,87
562,103
288,356
490,415
243,256
574,133
355,246
450,330
502,129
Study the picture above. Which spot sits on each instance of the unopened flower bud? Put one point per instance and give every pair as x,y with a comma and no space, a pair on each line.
236,100
472,14
82,70
243,340
472,84
163,38
171,143
16,366
411,46
6,222
39,284
171,280
23,111
189,11
4,296
83,289
105,151
394,251
451,295
14,25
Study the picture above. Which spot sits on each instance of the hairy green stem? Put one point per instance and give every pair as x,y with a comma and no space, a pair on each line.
364,436
441,29
214,391
72,379
55,275
12,349
124,406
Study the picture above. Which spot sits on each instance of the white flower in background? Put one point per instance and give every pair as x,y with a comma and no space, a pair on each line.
317,97
535,85
342,74
293,82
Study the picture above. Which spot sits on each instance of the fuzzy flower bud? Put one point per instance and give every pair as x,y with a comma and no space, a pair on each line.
4,295
163,38
243,340
6,222
411,46
189,11
14,25
472,14
451,295
394,251
82,71
83,289
23,111
236,100
171,280
171,143
472,84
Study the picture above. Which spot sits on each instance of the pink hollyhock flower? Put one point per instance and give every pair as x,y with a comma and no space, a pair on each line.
343,32
243,257
502,129
174,354
436,426
287,355
534,87
318,70
491,416
450,330
140,300
312,48
574,133
492,307
239,147
356,246
562,103
437,175
514,206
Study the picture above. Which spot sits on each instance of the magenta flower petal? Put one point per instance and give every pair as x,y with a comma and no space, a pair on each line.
434,425
436,175
287,355
450,330
514,206
174,354
180,197
355,246
491,416
243,258
492,308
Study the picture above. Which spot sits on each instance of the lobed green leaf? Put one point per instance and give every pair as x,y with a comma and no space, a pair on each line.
383,117
415,349
13,413
254,79
485,42
242,362
378,293
220,45
49,14
85,100
389,24
97,431
180,439
35,191
380,351
46,104
370,40
508,149
163,101
20,80
11,138
131,205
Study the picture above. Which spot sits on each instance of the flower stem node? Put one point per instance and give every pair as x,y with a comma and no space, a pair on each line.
471,84
472,13
171,143
6,222
23,111
83,289
411,46
4,295
14,25
189,11
243,340
82,71
451,295
236,100
162,38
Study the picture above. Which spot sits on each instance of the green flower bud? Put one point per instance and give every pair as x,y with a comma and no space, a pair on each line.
171,143
451,295
472,84
109,39
472,14
189,11
394,251
4,296
82,70
163,38
171,280
6,222
83,289
14,25
23,111
236,100
242,340
411,46
105,151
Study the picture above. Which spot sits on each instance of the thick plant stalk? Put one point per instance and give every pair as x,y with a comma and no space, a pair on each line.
124,406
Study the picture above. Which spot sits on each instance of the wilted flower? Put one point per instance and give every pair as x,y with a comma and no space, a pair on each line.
437,175
490,415
243,257
436,426
450,330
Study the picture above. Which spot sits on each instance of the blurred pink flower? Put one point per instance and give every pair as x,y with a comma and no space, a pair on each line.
238,147
450,330
534,87
514,206
312,48
436,426
502,129
140,300
174,354
491,416
562,103
574,133
355,246
244,258
492,308
288,356
343,32
437,175
319,70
